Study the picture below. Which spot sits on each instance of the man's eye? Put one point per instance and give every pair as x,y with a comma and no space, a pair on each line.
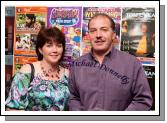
104,29
91,31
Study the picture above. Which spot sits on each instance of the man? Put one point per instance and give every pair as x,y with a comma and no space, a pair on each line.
30,22
106,78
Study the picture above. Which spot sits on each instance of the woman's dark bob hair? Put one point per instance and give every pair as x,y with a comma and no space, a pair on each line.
49,34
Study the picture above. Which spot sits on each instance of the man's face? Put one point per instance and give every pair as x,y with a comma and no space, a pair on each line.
28,20
101,34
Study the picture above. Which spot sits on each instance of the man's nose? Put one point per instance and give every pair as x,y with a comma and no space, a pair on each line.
98,34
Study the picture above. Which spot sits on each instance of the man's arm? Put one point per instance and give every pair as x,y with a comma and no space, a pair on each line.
74,100
142,98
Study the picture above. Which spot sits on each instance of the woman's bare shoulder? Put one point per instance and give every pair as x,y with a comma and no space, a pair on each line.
26,68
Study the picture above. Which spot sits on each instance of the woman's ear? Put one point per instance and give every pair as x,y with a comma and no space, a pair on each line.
40,50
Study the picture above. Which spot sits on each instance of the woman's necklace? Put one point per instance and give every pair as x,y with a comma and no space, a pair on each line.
51,73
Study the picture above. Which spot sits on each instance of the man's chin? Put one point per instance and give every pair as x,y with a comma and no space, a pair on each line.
101,50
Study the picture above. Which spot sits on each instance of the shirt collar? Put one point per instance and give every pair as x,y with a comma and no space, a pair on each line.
109,54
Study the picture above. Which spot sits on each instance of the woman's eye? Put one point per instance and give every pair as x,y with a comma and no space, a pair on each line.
49,45
59,45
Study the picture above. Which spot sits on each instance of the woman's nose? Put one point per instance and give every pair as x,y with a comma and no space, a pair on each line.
55,48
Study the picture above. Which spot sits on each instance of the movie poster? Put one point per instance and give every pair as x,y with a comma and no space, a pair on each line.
29,21
138,33
25,43
150,73
68,20
21,60
89,12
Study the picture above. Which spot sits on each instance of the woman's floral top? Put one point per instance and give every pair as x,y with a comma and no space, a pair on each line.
38,95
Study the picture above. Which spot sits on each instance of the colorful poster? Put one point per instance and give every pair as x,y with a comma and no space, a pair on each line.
29,20
147,61
25,43
88,12
68,20
21,60
138,32
150,73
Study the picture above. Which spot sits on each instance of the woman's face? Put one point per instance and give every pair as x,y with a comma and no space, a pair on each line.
52,52
144,28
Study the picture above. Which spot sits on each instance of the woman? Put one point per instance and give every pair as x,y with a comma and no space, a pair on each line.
48,91
146,43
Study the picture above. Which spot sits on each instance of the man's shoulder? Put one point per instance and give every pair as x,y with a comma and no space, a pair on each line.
83,57
125,55
126,59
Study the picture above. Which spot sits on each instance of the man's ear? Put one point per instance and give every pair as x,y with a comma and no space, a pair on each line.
114,36
115,39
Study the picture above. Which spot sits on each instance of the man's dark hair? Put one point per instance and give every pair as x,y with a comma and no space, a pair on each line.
104,15
32,17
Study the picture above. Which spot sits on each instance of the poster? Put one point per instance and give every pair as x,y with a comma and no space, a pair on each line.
21,60
138,33
150,73
28,22
68,20
89,12
25,43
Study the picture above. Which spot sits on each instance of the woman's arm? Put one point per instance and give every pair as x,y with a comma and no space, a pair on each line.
10,109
